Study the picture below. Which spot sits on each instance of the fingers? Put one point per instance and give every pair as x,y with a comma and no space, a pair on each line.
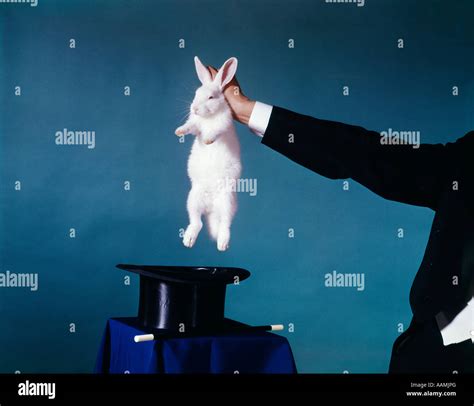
212,70
237,100
232,84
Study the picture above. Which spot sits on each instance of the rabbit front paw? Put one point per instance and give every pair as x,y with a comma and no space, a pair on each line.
182,130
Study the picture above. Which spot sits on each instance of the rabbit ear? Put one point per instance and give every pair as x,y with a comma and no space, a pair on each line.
226,72
202,72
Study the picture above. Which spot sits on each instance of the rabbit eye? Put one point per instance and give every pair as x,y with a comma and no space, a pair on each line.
210,97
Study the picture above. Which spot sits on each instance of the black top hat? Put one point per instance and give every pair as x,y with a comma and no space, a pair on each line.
183,298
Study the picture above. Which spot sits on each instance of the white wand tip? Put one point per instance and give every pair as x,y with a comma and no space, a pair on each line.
143,338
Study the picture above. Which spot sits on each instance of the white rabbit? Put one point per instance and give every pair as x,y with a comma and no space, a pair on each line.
214,165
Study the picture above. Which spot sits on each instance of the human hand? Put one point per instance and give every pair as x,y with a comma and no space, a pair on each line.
240,104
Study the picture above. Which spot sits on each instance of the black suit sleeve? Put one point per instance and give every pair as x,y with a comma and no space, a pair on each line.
339,151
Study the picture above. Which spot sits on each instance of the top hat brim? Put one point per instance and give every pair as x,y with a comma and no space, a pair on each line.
189,274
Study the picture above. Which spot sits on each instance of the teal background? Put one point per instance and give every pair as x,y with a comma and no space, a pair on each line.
135,43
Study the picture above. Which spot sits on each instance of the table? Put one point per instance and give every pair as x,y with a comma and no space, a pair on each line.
245,352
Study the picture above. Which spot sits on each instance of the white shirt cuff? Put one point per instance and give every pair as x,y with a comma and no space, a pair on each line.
259,118
457,329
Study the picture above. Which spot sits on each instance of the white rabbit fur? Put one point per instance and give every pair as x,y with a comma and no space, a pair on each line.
214,165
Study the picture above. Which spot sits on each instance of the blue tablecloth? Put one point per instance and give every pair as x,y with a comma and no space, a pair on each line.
249,352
